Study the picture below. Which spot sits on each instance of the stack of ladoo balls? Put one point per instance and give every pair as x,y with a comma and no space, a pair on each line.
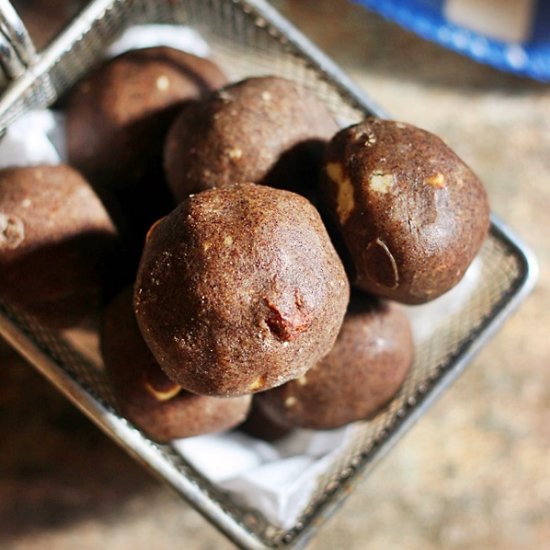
239,290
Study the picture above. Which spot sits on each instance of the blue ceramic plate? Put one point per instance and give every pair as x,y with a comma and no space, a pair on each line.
511,35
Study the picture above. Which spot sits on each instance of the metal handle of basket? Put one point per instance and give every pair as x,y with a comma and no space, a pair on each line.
17,50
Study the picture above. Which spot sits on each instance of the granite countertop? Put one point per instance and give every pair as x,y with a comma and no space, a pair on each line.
473,473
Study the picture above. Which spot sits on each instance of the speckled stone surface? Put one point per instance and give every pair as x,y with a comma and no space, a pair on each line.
472,474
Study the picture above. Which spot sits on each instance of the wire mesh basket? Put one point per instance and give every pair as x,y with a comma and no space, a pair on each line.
249,38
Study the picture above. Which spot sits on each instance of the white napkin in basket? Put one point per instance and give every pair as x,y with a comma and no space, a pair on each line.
277,479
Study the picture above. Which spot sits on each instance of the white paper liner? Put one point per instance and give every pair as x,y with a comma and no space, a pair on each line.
148,36
276,479
35,138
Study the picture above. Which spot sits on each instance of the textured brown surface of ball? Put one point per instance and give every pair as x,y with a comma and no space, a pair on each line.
239,289
56,239
364,370
412,214
263,130
118,116
55,242
160,407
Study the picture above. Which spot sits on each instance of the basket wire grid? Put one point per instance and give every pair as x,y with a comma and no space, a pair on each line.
251,38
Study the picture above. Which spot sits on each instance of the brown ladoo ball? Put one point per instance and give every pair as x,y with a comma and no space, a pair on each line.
264,130
239,290
364,370
155,404
412,214
56,239
118,116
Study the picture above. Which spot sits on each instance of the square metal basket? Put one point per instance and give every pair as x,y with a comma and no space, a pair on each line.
248,37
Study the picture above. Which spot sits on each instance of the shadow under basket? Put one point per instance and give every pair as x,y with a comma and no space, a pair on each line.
250,38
